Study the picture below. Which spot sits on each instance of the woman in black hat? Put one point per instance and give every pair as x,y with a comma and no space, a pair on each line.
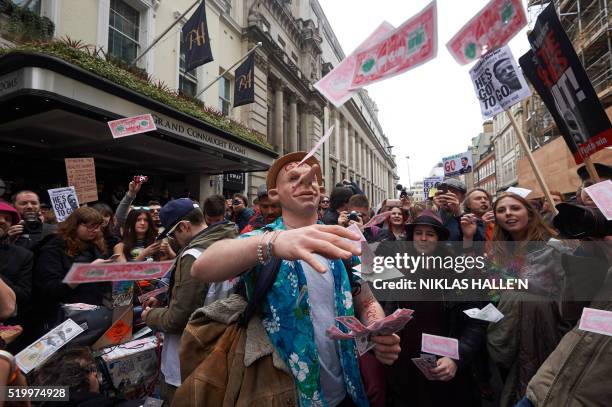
450,381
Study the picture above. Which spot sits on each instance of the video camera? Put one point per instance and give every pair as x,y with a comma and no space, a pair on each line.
579,222
403,192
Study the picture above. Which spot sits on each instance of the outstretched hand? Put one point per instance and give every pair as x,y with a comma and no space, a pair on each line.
329,241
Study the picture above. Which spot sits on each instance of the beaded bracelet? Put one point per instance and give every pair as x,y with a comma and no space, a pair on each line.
260,253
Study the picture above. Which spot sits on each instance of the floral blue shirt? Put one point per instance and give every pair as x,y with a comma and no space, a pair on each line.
286,318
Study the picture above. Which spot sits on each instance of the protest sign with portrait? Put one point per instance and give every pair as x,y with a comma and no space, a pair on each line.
64,201
457,164
498,82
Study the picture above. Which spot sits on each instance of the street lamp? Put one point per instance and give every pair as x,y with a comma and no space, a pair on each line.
408,163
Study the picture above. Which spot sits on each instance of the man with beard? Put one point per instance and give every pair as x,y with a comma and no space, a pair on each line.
478,202
268,211
30,230
154,208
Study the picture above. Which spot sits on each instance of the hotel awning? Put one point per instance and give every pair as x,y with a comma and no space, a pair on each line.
51,109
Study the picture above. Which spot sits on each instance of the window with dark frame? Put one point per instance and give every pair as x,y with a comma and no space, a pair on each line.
188,80
123,31
224,96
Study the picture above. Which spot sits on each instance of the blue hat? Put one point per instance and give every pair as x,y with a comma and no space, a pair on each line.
173,212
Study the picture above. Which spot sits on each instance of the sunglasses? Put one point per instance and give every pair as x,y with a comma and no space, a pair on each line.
172,230
141,208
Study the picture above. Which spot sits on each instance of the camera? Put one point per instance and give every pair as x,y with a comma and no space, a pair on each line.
579,222
403,192
236,202
31,224
443,187
139,179
353,216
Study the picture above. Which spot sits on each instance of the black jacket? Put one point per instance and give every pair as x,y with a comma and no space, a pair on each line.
52,265
330,217
32,241
16,271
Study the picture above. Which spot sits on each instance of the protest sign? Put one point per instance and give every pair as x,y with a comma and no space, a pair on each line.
429,185
81,174
64,202
335,86
412,44
556,73
132,125
457,164
35,354
491,28
92,273
498,83
601,194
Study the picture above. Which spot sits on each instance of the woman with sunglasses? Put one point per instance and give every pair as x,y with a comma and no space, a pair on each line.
79,239
323,206
139,236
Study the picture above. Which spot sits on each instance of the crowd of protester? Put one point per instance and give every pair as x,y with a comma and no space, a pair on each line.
253,288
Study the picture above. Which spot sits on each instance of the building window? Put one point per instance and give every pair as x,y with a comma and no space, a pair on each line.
224,96
124,28
188,81
281,42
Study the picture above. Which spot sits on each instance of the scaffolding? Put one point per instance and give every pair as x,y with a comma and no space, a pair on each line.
588,24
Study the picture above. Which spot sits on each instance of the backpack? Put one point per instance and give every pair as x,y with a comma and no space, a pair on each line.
215,368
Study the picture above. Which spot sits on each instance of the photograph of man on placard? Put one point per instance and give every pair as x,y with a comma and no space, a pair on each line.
506,74
465,166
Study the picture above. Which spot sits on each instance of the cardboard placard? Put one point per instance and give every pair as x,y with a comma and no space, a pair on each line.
81,173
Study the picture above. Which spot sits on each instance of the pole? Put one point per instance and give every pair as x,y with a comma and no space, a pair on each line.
259,44
159,37
588,163
532,162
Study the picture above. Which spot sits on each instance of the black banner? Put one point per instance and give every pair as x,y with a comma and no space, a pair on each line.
233,181
196,39
556,73
244,87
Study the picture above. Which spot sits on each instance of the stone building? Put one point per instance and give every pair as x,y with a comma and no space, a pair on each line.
298,47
